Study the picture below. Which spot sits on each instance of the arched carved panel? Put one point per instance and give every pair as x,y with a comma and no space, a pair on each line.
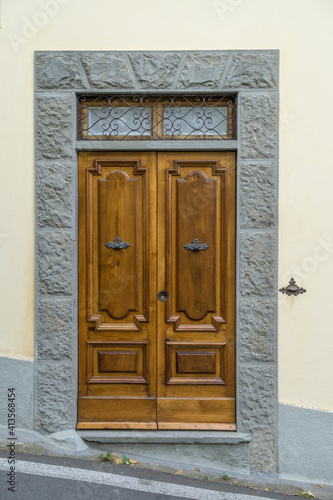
196,245
196,220
117,285
118,218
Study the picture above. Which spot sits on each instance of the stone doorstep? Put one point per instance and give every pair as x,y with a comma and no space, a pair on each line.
167,437
212,451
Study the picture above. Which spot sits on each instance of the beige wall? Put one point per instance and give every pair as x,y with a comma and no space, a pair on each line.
302,30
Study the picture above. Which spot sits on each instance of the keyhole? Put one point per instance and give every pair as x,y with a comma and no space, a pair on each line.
163,295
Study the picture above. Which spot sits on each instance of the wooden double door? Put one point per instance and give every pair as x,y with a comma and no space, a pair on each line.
156,290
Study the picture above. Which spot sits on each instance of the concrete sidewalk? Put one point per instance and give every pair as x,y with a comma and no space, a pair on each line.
62,478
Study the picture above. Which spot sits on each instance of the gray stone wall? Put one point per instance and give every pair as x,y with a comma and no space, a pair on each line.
306,444
17,374
229,71
253,75
257,259
56,328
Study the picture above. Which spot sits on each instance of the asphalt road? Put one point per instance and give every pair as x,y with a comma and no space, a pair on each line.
60,478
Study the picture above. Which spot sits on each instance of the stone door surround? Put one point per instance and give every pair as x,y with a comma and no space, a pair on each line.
253,76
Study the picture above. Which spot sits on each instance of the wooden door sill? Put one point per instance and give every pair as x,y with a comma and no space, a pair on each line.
201,426
116,425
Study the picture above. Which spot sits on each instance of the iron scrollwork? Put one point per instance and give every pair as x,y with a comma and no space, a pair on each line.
117,244
292,288
196,246
151,117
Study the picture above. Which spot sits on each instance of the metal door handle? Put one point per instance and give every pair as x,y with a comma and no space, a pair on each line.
117,245
196,246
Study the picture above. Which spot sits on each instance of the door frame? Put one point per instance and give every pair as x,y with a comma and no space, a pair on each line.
253,76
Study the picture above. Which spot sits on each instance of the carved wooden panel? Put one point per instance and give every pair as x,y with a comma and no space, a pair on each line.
196,326
118,217
150,222
195,363
117,204
196,219
117,362
117,290
196,212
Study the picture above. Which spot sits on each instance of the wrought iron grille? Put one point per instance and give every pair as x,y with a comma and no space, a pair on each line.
147,117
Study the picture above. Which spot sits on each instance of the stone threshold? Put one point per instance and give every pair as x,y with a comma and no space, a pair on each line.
168,437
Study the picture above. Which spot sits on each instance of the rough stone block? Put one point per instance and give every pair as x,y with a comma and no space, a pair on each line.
55,329
202,71
55,194
257,268
256,402
54,127
256,339
58,71
258,194
155,70
263,450
107,70
55,262
69,440
258,118
254,70
54,403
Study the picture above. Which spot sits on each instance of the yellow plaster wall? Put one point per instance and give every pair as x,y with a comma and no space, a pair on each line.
302,30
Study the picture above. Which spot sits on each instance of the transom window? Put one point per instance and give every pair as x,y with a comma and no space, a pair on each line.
144,117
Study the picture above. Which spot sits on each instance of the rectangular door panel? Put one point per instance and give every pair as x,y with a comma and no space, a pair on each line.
196,413
117,289
195,363
117,362
196,255
116,413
